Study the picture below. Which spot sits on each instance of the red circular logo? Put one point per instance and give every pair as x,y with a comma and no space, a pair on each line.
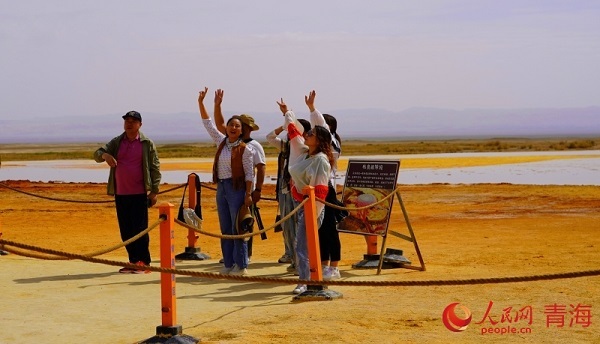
452,321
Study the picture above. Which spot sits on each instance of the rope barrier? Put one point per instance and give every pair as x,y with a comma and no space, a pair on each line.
90,257
162,218
208,187
173,188
161,192
51,198
75,201
205,185
515,279
247,235
241,236
334,206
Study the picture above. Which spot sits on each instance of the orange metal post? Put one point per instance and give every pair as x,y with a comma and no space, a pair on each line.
2,252
167,260
312,234
192,237
371,244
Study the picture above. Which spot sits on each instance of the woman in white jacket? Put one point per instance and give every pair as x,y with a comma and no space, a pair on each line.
329,239
309,165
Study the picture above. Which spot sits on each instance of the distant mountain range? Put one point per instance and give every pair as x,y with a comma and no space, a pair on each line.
412,123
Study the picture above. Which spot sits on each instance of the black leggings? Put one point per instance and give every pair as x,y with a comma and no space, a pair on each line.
329,238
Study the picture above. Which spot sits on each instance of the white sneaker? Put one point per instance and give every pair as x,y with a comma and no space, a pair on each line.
226,271
326,272
300,288
334,273
236,271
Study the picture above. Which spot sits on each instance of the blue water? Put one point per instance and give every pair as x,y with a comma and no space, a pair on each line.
584,171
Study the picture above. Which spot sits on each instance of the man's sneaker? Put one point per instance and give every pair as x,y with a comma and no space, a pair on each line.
237,271
285,259
333,273
225,270
300,288
142,268
126,270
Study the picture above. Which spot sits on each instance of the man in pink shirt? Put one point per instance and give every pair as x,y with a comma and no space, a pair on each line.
134,180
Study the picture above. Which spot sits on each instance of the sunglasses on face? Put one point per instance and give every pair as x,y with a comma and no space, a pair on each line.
310,133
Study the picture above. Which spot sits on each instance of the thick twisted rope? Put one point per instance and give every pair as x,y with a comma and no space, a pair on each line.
334,206
173,188
546,277
162,218
241,236
91,258
75,201
205,185
247,235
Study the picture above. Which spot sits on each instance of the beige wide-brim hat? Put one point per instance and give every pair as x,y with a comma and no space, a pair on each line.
249,121
244,222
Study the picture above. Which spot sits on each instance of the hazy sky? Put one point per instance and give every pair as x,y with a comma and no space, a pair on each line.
93,58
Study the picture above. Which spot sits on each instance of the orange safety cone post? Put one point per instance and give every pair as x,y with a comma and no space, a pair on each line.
2,253
194,198
168,331
371,259
314,292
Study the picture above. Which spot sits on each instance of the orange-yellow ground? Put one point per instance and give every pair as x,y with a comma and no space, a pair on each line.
463,232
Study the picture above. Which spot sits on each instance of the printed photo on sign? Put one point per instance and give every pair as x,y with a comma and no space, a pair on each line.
367,183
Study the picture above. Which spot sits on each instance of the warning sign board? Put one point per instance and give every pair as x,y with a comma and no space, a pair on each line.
367,183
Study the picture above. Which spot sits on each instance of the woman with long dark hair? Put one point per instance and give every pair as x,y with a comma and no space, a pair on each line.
309,165
330,245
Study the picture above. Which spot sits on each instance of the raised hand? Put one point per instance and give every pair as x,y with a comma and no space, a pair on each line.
310,100
202,94
203,112
219,96
282,106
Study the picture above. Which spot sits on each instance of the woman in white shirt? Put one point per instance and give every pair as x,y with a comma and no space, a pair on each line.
233,172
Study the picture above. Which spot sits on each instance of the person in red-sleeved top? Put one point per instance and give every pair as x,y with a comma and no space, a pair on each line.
309,165
329,239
